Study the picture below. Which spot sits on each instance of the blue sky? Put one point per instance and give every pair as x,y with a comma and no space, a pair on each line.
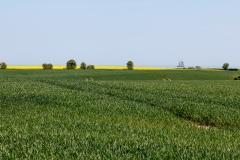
148,32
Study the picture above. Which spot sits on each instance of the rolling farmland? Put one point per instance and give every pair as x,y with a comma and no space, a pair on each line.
74,114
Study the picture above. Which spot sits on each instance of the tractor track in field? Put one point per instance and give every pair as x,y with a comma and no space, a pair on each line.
179,113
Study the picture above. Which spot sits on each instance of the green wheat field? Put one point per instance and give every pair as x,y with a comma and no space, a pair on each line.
104,114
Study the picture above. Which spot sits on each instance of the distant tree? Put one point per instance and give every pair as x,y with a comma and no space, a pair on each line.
90,67
198,67
233,69
71,64
3,65
44,65
47,66
83,66
50,66
225,66
130,65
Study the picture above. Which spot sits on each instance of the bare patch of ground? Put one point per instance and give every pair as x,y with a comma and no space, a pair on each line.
205,127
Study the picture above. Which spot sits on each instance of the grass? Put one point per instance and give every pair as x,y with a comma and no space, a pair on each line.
119,115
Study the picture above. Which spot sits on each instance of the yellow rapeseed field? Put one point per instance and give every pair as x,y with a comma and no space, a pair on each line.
33,67
24,67
125,68
96,67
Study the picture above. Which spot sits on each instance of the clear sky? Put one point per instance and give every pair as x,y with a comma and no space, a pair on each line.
111,32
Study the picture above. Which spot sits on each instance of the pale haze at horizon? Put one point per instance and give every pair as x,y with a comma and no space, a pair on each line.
149,33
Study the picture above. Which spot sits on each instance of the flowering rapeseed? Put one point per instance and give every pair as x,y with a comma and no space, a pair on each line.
96,67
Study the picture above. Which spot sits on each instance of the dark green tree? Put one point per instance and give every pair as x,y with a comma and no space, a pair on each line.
225,66
83,66
130,65
50,66
3,65
71,64
90,67
47,66
198,67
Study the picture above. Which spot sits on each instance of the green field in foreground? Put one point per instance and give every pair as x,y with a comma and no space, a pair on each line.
119,115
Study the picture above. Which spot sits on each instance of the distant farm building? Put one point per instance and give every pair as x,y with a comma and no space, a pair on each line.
180,64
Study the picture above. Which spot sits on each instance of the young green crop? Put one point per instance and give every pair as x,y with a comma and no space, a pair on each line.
59,115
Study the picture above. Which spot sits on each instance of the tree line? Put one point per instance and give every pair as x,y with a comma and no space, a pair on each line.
71,64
